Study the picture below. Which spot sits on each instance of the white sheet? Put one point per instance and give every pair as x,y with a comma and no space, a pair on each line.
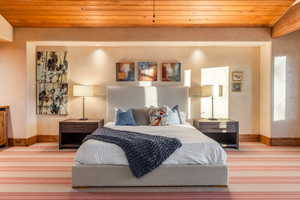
196,148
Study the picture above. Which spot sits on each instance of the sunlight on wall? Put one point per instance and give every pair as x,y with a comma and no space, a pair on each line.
279,98
187,78
215,76
145,83
151,96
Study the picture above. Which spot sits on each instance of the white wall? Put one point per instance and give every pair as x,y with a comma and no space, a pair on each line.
6,30
289,46
96,66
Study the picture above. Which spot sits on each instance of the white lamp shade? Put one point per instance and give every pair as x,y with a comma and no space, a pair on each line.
211,90
195,91
83,91
206,91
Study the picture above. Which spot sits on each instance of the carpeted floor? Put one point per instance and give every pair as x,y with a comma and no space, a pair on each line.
256,172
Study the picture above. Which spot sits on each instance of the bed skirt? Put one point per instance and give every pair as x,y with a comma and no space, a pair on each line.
165,175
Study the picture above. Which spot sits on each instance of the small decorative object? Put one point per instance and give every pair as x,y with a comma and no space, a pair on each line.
236,87
171,72
125,72
237,76
52,82
147,71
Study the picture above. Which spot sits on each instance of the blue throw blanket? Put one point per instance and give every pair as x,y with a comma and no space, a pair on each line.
144,152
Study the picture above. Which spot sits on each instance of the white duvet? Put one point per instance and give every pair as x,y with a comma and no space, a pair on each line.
196,147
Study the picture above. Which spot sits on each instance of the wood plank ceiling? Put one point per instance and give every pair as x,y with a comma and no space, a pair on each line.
117,13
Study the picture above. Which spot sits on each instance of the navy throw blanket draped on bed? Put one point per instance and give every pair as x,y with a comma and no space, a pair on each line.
144,152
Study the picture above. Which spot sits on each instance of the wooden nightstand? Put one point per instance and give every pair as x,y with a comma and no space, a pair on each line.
73,131
226,132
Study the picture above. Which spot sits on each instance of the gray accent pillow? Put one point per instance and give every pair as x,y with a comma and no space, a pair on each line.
141,116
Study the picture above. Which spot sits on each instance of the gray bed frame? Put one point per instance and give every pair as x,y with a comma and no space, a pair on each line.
165,175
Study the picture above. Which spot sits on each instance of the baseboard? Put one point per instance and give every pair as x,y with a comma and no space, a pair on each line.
243,138
249,138
22,141
265,140
47,138
32,140
280,141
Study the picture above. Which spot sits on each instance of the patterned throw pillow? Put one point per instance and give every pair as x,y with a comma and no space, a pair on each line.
158,116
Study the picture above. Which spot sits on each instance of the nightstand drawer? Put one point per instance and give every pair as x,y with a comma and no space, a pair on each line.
215,127
225,132
78,128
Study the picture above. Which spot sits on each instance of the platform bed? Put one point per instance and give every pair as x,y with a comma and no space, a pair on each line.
165,175
95,166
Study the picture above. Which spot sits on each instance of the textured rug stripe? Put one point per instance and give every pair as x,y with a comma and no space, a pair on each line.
257,172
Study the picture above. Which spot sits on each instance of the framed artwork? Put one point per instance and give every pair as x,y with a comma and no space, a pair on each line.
147,71
171,72
52,83
237,76
236,87
125,72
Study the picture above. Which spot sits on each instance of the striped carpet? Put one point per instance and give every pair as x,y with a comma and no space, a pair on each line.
257,172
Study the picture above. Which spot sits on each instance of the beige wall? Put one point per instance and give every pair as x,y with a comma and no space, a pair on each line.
265,90
289,46
6,30
96,66
15,85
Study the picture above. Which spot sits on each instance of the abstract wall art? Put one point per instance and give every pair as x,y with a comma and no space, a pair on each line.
147,71
171,72
52,82
125,72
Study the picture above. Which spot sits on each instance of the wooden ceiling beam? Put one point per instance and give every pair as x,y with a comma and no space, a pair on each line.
96,13
289,23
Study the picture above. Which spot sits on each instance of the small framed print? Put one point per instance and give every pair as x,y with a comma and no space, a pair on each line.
237,76
236,87
171,72
125,71
147,71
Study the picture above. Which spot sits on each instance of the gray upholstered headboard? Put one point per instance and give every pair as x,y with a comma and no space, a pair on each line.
137,97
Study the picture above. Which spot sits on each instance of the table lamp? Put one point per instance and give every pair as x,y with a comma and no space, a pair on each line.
83,91
208,91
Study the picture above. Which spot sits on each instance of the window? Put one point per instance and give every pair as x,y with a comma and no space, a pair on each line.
215,76
279,98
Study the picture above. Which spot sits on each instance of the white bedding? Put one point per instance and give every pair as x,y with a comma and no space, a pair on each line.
196,147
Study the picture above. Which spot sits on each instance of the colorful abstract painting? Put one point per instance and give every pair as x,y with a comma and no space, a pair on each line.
147,71
125,72
52,83
171,72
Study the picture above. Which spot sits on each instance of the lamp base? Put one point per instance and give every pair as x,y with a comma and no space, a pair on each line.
83,119
212,119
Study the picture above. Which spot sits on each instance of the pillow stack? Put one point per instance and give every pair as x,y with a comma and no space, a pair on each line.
154,116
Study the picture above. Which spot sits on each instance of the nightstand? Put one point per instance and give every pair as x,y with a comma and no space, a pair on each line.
225,132
73,131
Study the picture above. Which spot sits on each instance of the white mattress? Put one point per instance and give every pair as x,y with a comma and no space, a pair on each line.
196,148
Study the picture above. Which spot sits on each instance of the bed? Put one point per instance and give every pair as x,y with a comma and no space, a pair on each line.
199,162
